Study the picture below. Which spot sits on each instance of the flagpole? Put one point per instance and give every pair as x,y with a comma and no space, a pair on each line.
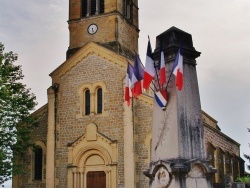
169,80
154,86
128,62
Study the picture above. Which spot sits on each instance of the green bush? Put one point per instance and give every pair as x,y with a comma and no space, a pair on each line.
243,179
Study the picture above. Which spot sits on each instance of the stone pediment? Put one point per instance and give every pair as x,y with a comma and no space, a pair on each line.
91,134
92,140
89,49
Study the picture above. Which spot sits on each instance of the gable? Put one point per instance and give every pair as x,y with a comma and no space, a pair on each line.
90,48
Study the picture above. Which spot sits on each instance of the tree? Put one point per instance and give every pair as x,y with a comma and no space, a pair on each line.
247,156
16,103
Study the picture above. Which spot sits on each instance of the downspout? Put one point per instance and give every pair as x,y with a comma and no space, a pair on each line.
55,88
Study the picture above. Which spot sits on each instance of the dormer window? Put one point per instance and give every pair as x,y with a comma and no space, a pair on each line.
92,7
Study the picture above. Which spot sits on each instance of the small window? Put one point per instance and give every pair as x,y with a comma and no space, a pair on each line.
38,166
99,100
87,102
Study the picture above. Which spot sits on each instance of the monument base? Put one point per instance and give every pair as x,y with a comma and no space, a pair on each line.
180,173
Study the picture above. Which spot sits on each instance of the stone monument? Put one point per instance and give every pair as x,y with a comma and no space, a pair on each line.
178,154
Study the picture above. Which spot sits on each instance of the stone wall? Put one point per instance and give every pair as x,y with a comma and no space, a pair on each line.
143,127
39,137
70,126
222,151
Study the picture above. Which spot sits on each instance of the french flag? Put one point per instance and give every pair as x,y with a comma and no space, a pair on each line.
161,98
161,67
128,93
178,70
149,72
137,77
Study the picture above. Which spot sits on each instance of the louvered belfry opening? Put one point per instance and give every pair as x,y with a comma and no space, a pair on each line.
92,7
84,8
101,10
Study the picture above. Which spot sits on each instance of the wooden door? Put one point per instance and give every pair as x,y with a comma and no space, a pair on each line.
96,179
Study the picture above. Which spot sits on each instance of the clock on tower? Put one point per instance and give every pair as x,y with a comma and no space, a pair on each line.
92,29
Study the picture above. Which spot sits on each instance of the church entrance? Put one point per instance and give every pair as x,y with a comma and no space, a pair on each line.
96,179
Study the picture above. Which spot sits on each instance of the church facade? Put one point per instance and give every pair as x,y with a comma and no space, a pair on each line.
87,135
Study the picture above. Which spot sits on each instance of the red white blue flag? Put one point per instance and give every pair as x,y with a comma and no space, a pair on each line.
161,98
162,68
149,72
178,70
128,93
137,77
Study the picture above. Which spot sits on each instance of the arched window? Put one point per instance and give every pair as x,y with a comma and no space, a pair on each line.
91,99
38,163
92,7
87,102
99,100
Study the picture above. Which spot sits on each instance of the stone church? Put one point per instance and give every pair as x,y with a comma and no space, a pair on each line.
87,135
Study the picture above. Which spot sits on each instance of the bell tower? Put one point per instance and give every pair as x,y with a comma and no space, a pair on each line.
110,23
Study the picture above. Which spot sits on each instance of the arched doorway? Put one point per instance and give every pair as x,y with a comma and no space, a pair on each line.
92,161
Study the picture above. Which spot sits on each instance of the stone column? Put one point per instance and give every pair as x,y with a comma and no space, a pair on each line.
178,147
50,158
97,7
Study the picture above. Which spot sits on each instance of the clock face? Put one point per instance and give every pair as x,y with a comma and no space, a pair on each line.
92,29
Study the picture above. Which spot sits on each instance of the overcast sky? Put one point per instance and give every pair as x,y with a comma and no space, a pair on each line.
37,31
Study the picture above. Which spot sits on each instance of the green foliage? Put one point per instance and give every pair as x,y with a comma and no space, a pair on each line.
244,179
16,103
247,156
